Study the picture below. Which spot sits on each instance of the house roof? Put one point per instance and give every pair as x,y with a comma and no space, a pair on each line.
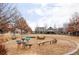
50,28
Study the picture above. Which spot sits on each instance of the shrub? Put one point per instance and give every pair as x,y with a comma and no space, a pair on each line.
3,50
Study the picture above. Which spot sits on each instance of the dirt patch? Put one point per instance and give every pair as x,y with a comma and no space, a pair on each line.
61,47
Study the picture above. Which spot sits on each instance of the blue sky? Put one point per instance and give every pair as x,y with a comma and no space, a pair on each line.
47,13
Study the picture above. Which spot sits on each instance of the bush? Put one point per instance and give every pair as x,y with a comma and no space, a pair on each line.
3,50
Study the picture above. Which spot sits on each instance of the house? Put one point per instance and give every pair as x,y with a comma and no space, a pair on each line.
50,30
60,31
40,30
43,30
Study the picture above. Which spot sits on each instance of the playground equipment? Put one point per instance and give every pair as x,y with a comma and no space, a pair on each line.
40,37
24,41
27,38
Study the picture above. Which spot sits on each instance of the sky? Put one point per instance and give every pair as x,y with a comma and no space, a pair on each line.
50,14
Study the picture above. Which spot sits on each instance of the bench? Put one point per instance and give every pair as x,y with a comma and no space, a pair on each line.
51,42
54,41
42,43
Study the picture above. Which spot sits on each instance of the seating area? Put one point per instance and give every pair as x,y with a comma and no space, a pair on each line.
51,42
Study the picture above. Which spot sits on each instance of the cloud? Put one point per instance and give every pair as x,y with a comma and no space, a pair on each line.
50,14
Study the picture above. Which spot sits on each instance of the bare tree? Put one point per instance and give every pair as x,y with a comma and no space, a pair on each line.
74,23
10,19
22,24
8,14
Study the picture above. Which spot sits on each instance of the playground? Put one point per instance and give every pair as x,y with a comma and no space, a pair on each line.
42,44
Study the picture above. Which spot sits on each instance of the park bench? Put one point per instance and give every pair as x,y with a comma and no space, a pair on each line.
40,37
51,42
54,41
42,43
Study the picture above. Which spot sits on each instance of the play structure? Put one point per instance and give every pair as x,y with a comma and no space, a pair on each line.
40,37
24,42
